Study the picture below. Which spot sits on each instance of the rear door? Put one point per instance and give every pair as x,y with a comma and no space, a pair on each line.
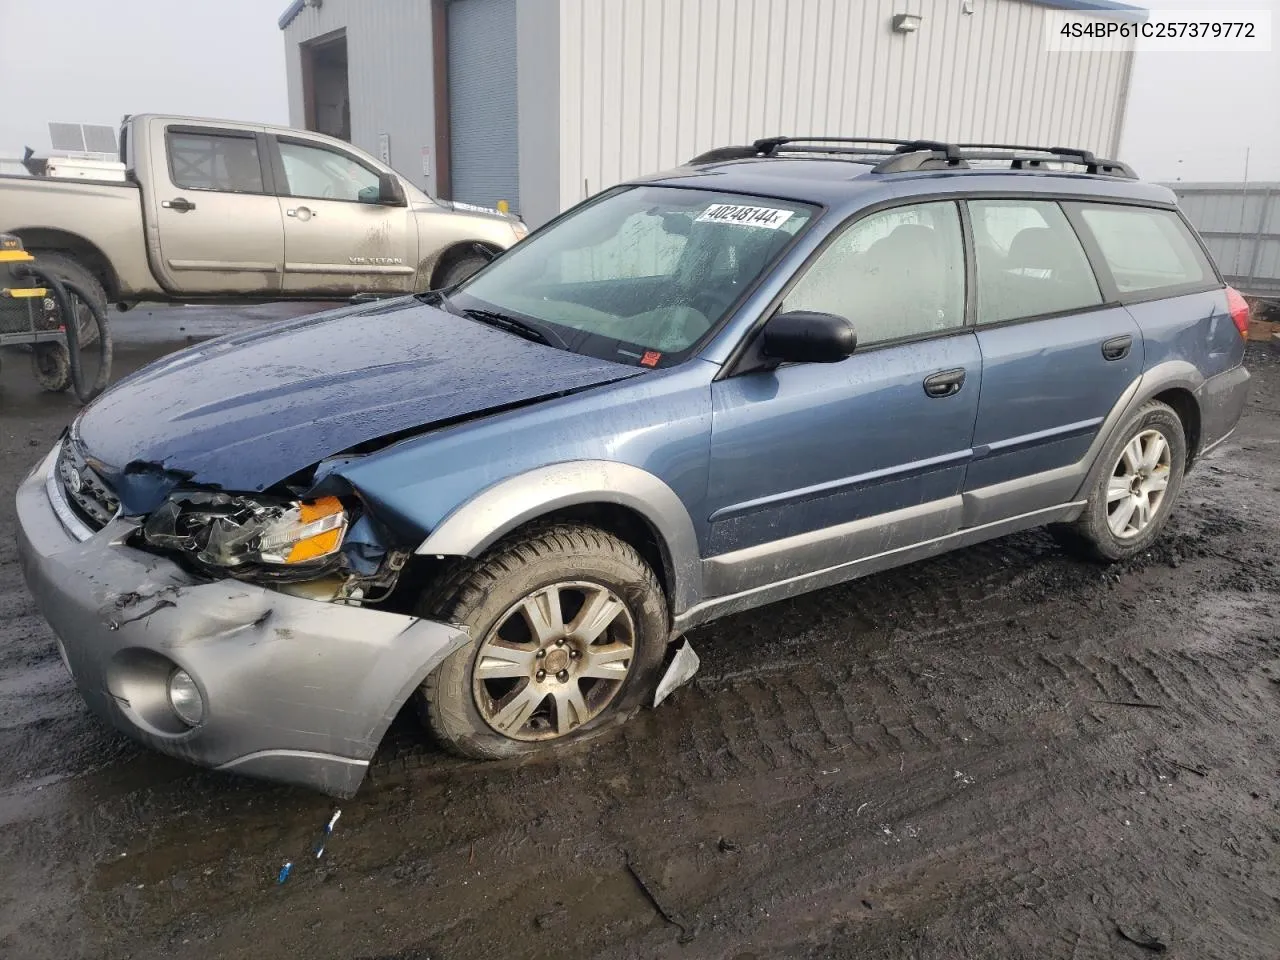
214,211
337,239
1055,357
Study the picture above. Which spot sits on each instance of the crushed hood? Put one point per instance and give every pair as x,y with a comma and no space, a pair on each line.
246,411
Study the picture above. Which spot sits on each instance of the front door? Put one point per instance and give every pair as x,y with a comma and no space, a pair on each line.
217,222
337,239
814,465
1055,358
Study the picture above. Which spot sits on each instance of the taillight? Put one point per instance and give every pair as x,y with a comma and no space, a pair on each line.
1239,308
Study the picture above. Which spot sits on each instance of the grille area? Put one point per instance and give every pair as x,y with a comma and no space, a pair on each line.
85,491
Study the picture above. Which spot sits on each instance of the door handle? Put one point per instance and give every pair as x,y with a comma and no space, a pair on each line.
1117,348
181,204
302,213
945,383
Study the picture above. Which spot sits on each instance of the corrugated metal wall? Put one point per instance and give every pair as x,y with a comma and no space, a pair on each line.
1240,224
485,165
647,84
389,71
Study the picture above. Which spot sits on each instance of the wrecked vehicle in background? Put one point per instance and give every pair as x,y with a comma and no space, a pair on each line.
747,378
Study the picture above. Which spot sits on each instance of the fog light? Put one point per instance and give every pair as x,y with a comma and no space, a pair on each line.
184,697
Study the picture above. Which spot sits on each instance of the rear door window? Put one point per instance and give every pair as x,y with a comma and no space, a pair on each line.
895,274
1029,260
1147,249
225,162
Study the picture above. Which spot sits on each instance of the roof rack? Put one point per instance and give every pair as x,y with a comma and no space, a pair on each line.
907,156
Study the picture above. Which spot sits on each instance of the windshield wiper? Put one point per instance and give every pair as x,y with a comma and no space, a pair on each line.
513,325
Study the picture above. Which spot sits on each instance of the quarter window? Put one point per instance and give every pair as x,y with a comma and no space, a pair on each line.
215,161
1147,249
898,273
1029,261
319,174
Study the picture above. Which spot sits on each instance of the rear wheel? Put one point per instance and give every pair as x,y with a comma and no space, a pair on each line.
1131,501
568,628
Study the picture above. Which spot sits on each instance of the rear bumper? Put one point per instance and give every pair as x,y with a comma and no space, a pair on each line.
1221,399
294,689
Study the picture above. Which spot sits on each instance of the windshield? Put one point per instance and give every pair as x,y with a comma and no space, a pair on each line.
642,275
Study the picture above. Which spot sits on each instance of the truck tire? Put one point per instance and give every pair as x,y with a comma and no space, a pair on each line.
1132,498
568,629
49,361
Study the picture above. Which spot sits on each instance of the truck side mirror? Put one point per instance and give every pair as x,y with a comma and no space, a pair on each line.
390,191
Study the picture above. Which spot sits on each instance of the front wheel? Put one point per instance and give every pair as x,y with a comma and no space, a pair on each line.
568,626
1130,502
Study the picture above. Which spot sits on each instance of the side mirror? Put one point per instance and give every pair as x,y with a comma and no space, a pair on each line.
390,191
804,336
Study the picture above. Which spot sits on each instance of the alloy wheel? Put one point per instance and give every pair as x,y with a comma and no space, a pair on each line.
1138,483
555,660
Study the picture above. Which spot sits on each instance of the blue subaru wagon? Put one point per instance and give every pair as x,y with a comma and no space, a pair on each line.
776,368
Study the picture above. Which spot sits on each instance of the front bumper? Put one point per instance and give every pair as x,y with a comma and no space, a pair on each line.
295,690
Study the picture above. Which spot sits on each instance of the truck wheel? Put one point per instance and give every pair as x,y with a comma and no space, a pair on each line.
568,628
49,361
1131,501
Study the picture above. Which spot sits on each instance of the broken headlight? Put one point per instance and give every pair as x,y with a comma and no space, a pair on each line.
231,530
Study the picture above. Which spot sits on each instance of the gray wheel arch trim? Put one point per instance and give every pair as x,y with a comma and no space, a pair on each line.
1170,375
488,516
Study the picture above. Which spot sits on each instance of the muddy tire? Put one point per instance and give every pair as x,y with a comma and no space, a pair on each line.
459,270
1135,493
51,366
49,361
551,613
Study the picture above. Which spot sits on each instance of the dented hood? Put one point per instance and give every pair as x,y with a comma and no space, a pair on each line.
246,411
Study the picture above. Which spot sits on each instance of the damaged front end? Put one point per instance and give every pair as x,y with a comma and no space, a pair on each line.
324,548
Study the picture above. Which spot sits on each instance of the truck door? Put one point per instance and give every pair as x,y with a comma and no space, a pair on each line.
337,238
216,219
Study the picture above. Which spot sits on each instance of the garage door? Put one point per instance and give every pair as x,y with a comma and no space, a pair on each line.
484,153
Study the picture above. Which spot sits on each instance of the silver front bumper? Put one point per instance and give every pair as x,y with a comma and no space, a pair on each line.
294,689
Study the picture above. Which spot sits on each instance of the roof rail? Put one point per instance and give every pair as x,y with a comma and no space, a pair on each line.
905,156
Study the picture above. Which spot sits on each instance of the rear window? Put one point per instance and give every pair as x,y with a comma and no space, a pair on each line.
215,161
1147,249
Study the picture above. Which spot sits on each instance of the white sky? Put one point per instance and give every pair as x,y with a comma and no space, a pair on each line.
92,61
1190,115
1193,116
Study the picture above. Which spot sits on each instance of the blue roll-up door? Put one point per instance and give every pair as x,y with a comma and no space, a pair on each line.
484,149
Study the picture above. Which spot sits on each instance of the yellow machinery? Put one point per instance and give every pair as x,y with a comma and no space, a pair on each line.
33,305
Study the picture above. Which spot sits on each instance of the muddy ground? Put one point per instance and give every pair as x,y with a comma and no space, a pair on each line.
1000,753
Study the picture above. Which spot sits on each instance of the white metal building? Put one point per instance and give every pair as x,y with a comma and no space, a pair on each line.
543,102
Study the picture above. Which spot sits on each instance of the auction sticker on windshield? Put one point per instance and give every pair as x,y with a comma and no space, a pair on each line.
766,217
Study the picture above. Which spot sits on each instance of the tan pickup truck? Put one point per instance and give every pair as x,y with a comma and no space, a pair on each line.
211,210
